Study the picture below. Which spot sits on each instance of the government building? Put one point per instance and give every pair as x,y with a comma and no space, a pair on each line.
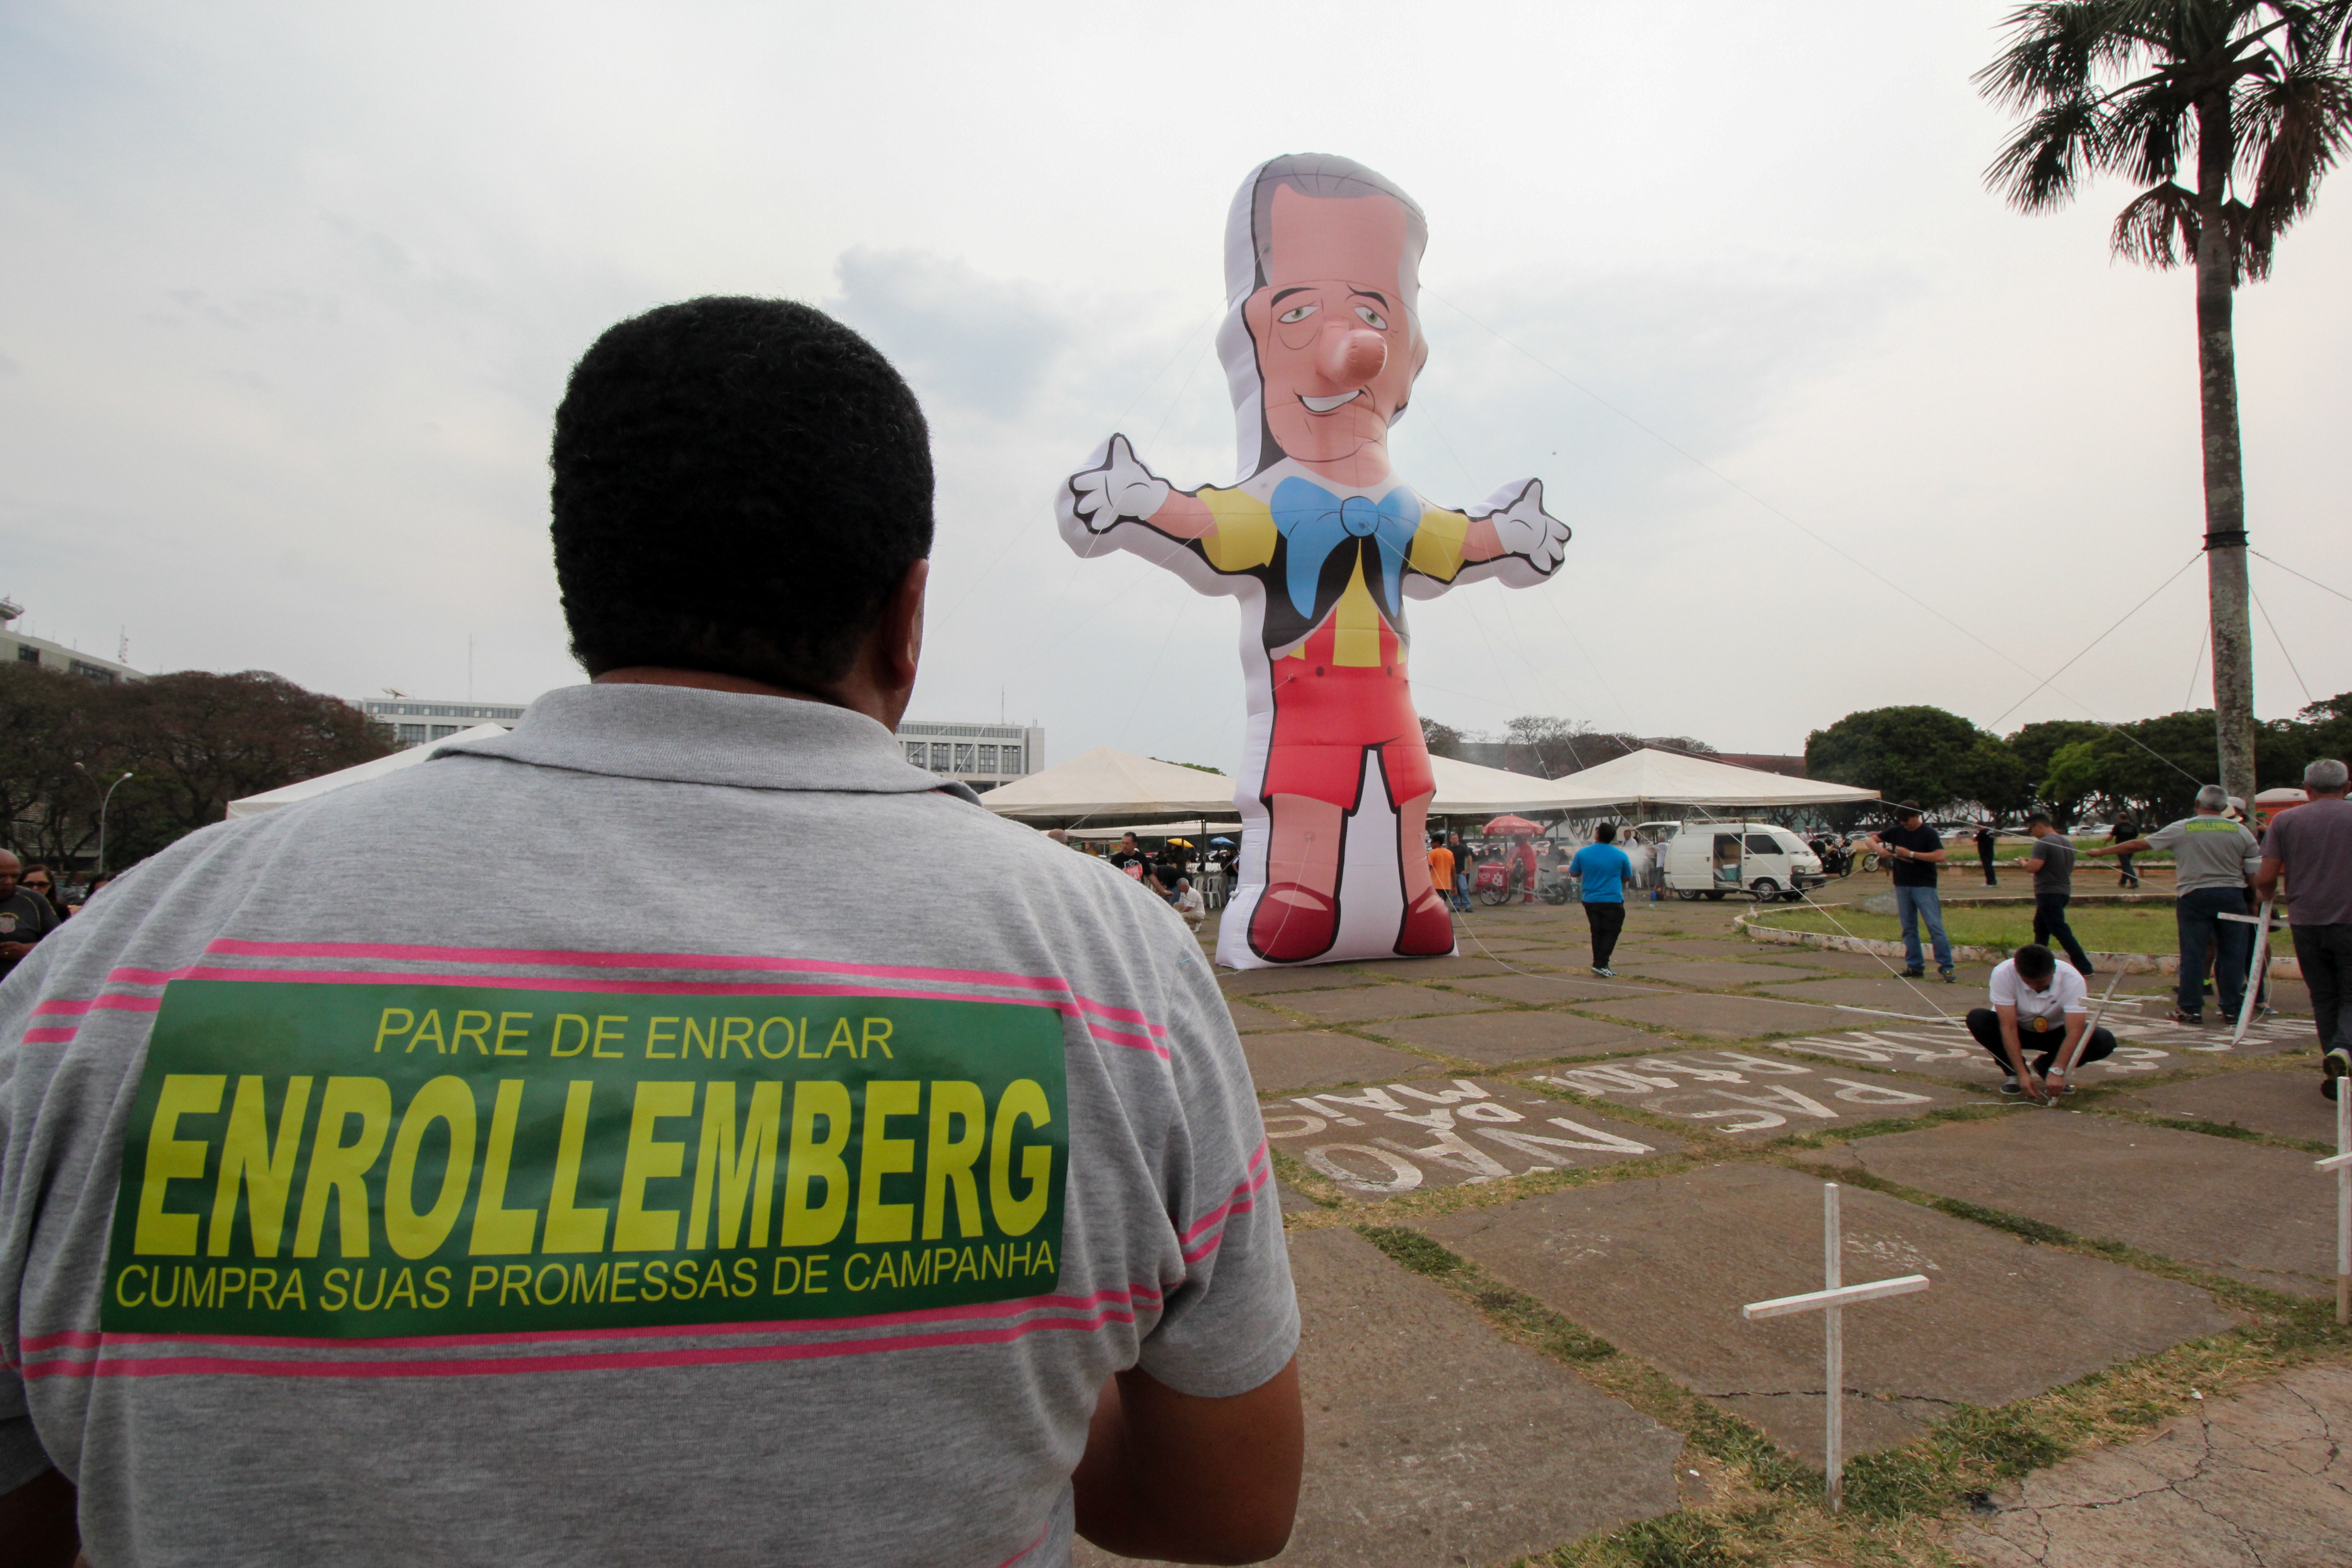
979,755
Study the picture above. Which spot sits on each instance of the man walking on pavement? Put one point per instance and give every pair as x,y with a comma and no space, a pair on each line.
2125,831
1441,869
2209,854
2051,866
1602,870
1986,838
1917,849
1464,869
2313,846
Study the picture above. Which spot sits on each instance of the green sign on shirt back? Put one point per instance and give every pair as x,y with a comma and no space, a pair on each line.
378,1161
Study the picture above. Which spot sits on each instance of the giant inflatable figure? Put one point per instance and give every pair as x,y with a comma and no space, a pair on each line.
1322,544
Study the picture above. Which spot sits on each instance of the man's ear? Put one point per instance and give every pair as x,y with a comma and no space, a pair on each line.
898,640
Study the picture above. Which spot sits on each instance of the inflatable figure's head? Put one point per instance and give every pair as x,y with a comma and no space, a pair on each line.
1322,338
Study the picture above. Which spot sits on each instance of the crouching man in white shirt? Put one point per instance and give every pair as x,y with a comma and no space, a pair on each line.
2036,994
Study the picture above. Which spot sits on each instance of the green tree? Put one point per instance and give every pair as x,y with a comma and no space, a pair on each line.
2075,776
2036,744
2251,98
1917,754
1997,778
1443,739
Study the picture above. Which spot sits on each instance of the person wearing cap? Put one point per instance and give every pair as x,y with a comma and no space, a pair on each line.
2033,993
2210,855
1916,850
2312,847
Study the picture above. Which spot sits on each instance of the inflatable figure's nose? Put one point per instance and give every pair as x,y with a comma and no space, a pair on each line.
1354,357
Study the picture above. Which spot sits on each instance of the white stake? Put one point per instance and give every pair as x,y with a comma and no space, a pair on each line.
2256,971
2341,1163
1830,1301
2074,1057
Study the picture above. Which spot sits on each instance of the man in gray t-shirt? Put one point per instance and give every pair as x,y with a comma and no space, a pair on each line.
2051,866
2311,843
534,1156
2211,858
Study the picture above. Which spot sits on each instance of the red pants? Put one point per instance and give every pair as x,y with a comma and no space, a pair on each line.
1326,716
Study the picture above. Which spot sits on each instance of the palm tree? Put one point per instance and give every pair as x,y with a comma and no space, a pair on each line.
2253,98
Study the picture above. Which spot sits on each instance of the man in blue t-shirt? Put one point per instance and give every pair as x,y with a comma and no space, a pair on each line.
1603,870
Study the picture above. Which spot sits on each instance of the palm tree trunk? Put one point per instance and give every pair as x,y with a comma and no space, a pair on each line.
2225,492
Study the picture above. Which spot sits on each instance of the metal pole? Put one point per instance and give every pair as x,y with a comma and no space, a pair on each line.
102,806
2255,972
2343,1206
1834,1329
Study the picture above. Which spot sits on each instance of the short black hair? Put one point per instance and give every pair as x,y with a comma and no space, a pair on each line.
2039,817
2035,961
739,485
1606,833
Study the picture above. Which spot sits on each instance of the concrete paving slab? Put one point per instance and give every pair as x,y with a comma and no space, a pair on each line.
1247,1019
1718,1017
1578,958
1822,958
1884,991
1496,1038
1709,972
1723,947
2260,1478
1548,990
1383,1002
2285,1104
1306,977
1746,1091
1429,968
2256,1213
1429,1440
1377,1141
1280,1063
1952,1055
1662,1268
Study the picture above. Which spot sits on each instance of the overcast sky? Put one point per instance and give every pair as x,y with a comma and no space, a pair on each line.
287,294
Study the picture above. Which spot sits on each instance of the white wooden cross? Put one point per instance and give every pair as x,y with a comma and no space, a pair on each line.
2259,969
1830,1301
2341,1163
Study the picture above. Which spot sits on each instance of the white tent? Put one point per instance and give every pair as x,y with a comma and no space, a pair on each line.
287,795
1196,828
1650,777
1108,783
1466,789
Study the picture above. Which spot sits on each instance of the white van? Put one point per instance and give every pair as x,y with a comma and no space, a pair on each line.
1709,859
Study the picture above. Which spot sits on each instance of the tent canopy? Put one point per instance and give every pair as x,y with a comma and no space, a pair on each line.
1669,778
1466,789
287,795
1150,830
1108,783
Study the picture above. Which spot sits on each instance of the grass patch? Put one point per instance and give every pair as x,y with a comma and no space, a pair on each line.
2102,929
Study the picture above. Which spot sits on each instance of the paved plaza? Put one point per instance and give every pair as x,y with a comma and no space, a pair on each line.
1636,1157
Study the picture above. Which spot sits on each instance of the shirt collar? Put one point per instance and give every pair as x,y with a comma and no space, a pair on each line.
681,735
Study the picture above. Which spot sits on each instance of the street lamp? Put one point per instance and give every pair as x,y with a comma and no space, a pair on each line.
102,806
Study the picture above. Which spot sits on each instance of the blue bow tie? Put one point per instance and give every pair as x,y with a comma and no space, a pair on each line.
1315,523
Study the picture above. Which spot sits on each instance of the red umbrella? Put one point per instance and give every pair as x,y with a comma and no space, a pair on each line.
1508,823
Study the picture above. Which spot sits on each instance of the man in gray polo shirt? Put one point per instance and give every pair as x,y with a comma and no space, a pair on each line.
2212,859
2311,845
370,1194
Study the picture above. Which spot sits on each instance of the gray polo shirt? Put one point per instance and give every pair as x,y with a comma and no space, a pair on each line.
2206,852
541,1155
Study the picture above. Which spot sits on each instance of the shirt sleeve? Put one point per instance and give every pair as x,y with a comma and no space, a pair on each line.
2003,991
1234,1322
2074,992
1440,542
1243,536
2169,837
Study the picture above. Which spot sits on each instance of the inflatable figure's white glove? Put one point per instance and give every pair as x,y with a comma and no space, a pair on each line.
1120,489
1525,529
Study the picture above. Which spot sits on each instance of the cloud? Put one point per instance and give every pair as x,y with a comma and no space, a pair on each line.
982,345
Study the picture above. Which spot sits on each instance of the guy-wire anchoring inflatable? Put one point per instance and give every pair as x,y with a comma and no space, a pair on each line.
1322,544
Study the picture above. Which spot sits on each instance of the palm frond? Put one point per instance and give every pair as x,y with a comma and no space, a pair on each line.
2049,156
2158,229
2150,132
2291,130
2251,242
2058,47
